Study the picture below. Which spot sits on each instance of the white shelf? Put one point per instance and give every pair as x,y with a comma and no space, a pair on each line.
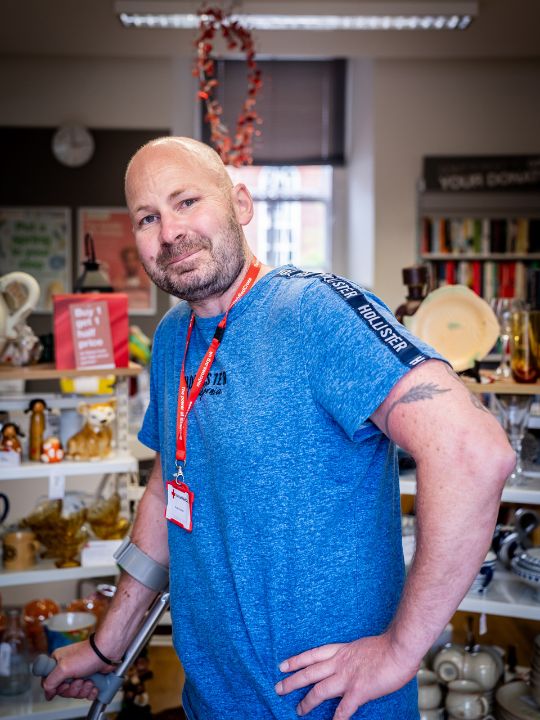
117,462
46,572
528,493
32,706
505,596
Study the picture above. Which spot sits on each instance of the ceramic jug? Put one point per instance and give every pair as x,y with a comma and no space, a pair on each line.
9,318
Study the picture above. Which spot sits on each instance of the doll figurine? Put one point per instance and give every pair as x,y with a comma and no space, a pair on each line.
37,427
11,433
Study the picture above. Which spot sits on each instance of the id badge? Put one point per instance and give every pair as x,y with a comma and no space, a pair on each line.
179,505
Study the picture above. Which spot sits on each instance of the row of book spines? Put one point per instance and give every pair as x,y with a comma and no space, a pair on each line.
480,235
487,279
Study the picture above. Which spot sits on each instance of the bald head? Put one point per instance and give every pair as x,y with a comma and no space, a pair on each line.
183,151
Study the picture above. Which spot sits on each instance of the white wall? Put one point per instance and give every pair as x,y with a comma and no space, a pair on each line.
400,110
440,107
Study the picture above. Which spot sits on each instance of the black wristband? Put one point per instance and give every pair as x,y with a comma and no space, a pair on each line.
101,656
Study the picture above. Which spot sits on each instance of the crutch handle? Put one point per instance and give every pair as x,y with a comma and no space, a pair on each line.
108,684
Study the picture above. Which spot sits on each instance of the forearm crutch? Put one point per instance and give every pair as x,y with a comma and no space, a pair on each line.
155,576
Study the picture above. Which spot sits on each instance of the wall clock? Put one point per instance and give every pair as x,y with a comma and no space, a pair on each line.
73,145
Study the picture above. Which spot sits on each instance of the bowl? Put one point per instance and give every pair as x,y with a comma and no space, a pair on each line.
68,627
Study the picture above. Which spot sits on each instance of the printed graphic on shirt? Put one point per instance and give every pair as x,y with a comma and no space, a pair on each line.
214,384
385,332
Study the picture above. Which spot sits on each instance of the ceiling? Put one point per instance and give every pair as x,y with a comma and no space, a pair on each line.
89,28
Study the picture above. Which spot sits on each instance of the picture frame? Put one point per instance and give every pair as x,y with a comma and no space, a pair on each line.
37,240
114,243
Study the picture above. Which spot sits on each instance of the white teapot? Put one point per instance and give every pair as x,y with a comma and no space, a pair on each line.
11,319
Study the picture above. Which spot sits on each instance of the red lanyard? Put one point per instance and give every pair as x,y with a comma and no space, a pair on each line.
185,400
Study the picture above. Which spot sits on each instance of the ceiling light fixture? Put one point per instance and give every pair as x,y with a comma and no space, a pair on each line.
421,15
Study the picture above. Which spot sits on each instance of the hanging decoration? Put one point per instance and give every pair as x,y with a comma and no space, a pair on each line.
237,150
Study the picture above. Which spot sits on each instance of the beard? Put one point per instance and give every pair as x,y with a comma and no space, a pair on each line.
195,281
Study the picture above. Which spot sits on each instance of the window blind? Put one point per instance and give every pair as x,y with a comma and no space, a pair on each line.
302,106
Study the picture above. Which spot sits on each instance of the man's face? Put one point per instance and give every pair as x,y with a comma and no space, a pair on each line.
189,240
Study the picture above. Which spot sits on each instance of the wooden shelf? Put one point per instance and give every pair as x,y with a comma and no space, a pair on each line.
502,387
47,371
32,705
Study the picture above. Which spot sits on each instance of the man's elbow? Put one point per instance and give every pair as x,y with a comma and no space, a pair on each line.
494,460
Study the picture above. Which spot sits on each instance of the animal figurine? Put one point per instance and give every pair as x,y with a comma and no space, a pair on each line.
37,427
94,440
11,433
51,450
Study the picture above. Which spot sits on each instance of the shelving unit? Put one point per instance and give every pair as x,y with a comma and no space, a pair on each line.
32,705
485,240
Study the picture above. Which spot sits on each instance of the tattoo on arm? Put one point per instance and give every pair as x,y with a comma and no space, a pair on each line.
424,391
475,401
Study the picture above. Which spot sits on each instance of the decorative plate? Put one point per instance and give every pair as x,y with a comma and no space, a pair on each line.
458,324
516,701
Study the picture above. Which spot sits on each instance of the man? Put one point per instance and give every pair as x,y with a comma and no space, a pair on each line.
275,421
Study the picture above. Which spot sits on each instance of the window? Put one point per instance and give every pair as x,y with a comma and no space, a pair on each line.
293,211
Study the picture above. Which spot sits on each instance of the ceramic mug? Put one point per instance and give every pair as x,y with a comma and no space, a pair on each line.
20,548
435,714
482,667
448,663
429,690
68,627
466,701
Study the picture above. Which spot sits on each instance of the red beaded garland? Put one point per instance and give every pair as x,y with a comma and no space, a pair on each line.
237,151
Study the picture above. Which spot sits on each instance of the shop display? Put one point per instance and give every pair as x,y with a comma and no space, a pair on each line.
10,435
525,346
20,549
97,602
526,565
51,450
65,628
515,412
458,324
62,534
504,308
34,615
37,409
15,675
19,295
94,440
417,280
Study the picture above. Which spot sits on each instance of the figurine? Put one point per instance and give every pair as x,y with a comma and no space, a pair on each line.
51,450
11,433
94,440
37,427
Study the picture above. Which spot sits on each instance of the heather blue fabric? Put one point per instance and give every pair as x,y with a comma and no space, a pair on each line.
296,536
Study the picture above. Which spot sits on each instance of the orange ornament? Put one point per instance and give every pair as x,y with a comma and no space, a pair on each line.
238,150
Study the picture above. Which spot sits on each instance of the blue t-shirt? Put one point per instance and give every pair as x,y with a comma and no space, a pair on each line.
296,537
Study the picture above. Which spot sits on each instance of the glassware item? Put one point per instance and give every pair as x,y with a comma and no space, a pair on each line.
34,615
97,603
524,346
15,675
504,308
515,411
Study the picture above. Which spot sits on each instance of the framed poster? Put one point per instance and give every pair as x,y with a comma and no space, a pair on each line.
117,254
38,241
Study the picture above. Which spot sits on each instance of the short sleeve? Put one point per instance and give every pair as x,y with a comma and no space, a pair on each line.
355,352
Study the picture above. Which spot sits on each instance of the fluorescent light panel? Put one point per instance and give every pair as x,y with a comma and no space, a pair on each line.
382,16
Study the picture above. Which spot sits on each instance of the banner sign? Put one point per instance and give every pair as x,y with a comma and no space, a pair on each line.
503,173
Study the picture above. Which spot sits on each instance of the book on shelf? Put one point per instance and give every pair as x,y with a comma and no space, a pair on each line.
479,236
487,279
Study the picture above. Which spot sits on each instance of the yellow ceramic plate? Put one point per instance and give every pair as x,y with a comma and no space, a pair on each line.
458,324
